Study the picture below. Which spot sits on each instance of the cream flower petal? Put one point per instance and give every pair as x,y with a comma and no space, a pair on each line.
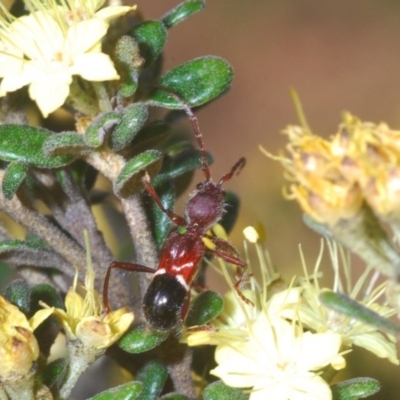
10,60
37,35
313,388
376,343
318,350
108,13
82,36
52,92
94,67
13,82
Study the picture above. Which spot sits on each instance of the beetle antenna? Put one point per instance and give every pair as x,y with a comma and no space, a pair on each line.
196,127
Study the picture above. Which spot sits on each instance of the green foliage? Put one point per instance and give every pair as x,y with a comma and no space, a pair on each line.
354,389
65,143
141,339
129,180
127,391
13,177
205,308
46,293
151,37
24,143
132,120
153,376
182,12
18,293
196,82
343,304
52,372
219,391
102,125
174,396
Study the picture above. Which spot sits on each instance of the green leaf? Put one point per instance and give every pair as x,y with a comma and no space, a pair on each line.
47,294
195,82
204,308
129,181
174,396
18,293
181,163
354,389
182,12
151,37
140,339
152,134
13,245
161,221
219,391
127,391
153,376
347,306
23,143
65,143
100,127
232,205
133,118
128,60
52,372
13,177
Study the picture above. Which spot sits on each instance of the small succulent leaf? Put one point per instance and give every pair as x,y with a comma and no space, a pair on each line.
174,396
219,391
343,304
13,177
354,389
141,339
161,221
100,127
206,306
15,245
153,376
23,143
133,119
47,294
196,82
232,205
182,12
127,391
65,143
18,293
52,372
151,37
181,163
129,181
152,134
128,60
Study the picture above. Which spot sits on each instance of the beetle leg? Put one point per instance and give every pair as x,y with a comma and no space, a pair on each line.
126,266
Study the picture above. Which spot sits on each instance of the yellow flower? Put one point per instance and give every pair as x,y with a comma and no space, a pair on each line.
54,42
318,318
85,320
19,349
278,361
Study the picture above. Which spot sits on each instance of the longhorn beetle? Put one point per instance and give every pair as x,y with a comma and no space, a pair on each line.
166,301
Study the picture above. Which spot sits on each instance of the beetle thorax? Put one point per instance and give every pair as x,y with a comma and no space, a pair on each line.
205,206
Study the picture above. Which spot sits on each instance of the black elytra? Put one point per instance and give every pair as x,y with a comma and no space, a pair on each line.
163,302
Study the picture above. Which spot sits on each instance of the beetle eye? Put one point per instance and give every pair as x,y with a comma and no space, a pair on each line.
199,186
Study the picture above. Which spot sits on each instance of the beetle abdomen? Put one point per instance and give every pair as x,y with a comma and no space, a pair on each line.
164,301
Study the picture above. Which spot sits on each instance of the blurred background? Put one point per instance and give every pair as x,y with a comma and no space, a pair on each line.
338,55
